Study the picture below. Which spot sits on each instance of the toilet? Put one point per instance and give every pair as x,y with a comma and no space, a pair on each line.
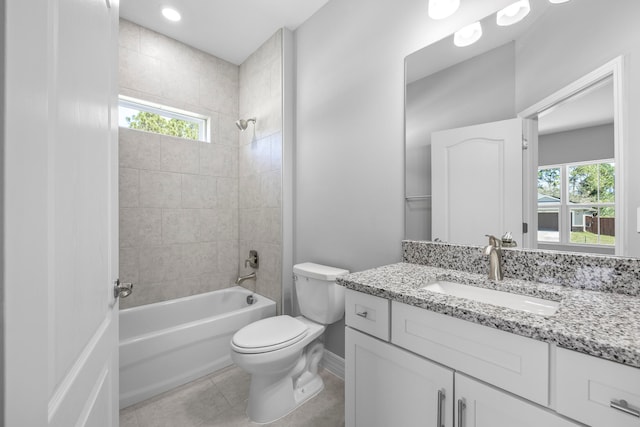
282,353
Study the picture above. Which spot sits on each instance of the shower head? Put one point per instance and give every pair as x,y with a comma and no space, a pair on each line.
242,123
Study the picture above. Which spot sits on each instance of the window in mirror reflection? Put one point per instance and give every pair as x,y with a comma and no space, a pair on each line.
586,202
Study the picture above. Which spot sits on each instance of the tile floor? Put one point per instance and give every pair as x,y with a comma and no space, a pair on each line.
220,400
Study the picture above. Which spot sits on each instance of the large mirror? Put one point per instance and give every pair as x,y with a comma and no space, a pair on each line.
563,83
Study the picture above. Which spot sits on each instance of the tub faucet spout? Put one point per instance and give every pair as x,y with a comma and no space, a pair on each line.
241,279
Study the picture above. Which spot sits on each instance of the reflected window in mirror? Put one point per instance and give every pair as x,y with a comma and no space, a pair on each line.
576,204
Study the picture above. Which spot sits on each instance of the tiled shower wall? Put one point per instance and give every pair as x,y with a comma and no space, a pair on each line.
261,167
178,198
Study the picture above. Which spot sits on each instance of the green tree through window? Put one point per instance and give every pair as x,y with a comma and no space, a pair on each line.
152,122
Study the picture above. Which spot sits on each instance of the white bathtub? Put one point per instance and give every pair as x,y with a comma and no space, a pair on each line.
170,343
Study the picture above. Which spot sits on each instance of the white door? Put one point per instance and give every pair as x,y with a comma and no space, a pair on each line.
387,386
476,178
485,406
61,251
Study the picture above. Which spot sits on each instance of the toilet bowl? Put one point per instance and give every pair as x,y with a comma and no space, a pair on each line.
282,353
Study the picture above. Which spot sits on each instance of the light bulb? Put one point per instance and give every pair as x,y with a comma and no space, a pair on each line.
171,14
440,9
513,13
468,35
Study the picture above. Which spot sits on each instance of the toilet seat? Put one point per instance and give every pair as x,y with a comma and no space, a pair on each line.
270,334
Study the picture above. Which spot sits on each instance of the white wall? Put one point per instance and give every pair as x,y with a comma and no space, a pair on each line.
578,145
2,112
349,129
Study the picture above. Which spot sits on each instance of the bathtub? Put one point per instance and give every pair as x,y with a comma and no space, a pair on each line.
170,343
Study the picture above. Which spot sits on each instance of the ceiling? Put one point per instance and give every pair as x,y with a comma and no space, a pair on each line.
228,29
590,108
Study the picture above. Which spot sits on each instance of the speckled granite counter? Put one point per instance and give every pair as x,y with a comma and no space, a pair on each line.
602,324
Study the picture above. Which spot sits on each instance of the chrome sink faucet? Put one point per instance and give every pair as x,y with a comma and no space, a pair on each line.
494,251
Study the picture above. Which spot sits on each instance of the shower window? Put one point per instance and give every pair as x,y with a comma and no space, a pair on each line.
150,117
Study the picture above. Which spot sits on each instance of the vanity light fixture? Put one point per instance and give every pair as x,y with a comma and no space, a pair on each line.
513,13
468,35
440,9
558,1
171,14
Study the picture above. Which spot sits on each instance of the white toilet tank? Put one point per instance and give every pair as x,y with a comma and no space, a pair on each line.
319,297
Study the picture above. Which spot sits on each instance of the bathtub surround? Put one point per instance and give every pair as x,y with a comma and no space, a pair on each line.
191,211
178,197
260,167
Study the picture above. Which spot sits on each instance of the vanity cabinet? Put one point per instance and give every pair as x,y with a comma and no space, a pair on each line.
456,373
480,405
511,362
596,391
388,386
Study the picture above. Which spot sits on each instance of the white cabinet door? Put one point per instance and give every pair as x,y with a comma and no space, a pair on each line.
476,178
592,390
61,176
486,406
386,386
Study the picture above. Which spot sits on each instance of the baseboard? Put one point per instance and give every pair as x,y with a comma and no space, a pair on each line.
333,363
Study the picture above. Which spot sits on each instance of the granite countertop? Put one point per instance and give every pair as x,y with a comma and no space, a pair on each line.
601,324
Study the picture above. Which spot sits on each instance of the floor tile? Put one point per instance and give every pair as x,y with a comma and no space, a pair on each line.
198,404
128,418
220,400
234,385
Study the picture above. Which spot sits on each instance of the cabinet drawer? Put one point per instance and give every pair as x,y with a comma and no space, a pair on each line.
367,313
587,385
511,362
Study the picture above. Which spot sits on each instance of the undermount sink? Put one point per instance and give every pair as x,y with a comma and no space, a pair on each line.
520,302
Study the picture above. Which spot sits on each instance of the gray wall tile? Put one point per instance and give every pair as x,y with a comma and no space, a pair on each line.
140,227
199,191
139,150
129,188
160,189
179,155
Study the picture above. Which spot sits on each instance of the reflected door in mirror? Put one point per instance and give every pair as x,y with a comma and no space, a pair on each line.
476,177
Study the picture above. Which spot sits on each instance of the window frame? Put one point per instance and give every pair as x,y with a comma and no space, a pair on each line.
565,217
203,122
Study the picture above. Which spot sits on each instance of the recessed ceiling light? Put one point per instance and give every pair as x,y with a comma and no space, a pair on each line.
468,35
440,9
171,14
513,13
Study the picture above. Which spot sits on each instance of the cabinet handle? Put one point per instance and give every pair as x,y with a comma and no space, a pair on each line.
362,314
622,405
440,403
461,407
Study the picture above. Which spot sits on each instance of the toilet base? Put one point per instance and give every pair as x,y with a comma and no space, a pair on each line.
272,397
269,401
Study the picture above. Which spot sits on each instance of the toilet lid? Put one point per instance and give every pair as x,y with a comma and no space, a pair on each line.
269,334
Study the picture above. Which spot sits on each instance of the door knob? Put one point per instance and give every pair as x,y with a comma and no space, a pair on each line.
122,290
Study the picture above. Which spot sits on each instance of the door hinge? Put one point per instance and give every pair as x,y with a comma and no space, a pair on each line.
525,228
